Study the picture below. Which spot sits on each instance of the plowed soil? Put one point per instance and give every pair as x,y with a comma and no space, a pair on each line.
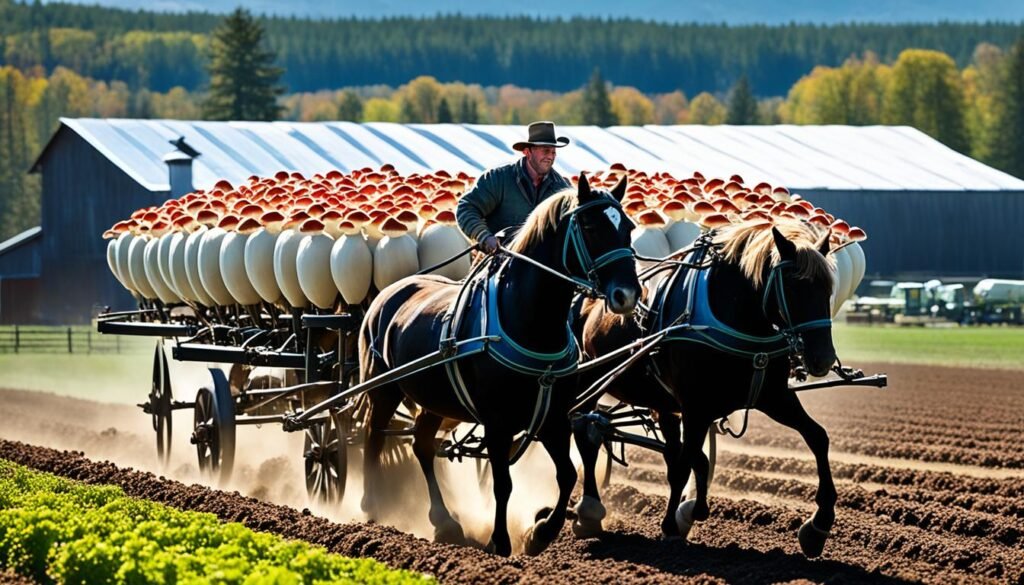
930,474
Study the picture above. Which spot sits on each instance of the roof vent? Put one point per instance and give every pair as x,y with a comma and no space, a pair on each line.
179,166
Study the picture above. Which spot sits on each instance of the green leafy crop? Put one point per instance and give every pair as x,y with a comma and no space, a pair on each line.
57,530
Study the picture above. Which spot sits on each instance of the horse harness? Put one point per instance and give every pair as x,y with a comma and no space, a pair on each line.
472,323
697,323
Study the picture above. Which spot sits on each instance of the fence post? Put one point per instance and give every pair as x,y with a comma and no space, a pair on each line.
117,338
17,339
69,341
88,341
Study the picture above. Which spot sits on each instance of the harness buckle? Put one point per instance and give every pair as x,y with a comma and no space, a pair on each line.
447,348
761,361
546,380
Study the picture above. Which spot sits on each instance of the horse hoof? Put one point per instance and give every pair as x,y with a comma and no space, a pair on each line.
587,528
672,537
684,517
449,532
533,545
590,508
543,513
493,549
589,512
812,539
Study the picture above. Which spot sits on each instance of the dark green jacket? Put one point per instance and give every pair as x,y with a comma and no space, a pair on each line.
503,197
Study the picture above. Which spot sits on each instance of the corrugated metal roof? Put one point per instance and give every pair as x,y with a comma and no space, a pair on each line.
885,158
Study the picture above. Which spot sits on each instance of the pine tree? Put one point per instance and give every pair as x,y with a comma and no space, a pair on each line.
407,113
597,106
742,104
444,113
243,80
351,107
468,112
1009,146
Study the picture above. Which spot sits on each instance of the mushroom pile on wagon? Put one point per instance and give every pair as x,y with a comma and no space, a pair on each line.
330,239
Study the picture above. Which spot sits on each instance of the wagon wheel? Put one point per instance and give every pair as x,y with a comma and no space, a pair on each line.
214,429
159,406
397,448
325,451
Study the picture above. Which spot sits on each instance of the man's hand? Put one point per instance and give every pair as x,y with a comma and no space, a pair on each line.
489,244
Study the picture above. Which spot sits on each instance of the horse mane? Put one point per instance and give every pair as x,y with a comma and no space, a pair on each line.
750,245
544,217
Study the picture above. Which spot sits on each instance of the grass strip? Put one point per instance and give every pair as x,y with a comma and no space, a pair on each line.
57,530
972,347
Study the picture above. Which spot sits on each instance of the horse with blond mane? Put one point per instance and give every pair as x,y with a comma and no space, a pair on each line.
520,355
747,301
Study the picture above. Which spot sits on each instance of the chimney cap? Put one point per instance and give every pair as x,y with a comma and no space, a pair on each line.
183,147
176,156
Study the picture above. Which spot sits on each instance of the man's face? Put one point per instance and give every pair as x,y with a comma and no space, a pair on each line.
540,158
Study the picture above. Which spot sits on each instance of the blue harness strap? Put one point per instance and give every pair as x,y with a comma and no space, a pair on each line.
697,323
481,313
705,328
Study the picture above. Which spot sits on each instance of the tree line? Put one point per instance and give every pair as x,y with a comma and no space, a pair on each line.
161,51
977,109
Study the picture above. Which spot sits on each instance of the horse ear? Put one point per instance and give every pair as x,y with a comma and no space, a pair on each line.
787,249
619,190
583,188
823,243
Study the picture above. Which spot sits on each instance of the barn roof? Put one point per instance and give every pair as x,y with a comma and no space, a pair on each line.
844,158
18,240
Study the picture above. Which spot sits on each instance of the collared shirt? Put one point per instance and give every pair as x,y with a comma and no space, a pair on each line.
527,181
503,197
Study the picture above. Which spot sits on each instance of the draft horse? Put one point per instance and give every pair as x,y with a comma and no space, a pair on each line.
744,304
514,379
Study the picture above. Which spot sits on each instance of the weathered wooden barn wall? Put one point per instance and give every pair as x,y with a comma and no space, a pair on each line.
83,195
19,301
929,234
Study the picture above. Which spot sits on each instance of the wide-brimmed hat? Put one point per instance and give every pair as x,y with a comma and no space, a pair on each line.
542,134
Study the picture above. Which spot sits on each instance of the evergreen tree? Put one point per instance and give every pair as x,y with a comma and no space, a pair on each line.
444,113
407,112
742,104
597,106
1009,146
243,80
351,107
468,112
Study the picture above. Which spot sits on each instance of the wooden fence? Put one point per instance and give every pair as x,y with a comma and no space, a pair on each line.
77,339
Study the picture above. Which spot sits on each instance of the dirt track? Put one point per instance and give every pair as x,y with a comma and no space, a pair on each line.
930,476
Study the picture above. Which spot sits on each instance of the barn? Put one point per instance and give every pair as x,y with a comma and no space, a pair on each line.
929,211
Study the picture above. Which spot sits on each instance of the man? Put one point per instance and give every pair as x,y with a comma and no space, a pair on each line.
504,196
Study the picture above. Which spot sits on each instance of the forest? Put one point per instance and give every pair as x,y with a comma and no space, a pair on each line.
963,84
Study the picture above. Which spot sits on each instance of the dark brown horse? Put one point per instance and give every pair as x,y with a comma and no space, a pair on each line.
581,238
766,296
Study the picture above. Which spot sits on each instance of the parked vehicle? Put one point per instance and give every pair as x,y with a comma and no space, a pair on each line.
999,300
